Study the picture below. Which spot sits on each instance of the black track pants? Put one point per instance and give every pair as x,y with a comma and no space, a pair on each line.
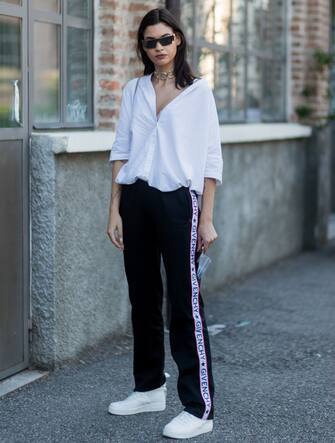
156,224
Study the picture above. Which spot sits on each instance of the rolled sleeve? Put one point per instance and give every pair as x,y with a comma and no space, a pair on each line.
214,160
121,145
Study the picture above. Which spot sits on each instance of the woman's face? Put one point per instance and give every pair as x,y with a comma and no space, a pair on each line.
157,31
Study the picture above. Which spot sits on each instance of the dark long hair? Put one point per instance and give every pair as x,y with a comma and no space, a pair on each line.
182,70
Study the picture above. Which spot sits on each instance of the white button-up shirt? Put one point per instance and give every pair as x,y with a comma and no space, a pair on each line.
179,147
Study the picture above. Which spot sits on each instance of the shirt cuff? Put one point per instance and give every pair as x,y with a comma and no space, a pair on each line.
217,179
118,156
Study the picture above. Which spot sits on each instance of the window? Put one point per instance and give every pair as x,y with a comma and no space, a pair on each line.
10,72
240,47
61,81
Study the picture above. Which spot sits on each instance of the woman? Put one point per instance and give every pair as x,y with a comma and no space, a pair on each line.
165,157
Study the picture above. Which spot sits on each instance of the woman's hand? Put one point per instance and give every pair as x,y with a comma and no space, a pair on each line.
114,229
206,231
206,235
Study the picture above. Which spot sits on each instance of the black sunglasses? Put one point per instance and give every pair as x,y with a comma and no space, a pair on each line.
151,43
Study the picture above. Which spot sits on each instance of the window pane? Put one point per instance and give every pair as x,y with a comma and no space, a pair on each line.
254,90
78,8
225,74
46,73
273,97
206,65
238,31
47,5
214,67
266,98
237,87
266,25
187,18
10,72
78,75
213,20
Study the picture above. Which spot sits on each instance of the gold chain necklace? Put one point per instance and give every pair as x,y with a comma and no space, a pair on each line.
163,75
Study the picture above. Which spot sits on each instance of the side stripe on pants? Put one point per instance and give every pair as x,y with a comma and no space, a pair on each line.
198,326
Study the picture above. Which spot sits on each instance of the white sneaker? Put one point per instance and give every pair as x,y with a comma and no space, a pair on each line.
186,425
148,401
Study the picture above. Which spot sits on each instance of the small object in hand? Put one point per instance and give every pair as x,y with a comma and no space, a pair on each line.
204,262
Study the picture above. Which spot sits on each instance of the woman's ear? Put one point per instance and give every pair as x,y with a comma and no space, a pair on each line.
178,39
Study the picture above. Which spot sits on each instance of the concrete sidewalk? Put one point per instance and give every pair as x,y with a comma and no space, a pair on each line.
274,367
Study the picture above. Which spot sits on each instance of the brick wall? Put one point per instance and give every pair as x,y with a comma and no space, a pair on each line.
310,29
116,23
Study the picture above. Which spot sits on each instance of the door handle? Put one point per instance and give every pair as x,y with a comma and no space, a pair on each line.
15,105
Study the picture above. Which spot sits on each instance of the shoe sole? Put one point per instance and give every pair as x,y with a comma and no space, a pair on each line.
203,430
152,407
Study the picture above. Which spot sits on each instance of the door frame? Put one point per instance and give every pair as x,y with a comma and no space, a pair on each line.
22,133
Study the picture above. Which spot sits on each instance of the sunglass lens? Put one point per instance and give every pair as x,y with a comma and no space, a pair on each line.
166,40
149,43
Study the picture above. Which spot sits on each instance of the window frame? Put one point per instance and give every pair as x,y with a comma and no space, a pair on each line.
199,43
63,20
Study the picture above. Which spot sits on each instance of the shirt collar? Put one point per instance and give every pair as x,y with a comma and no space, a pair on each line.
152,94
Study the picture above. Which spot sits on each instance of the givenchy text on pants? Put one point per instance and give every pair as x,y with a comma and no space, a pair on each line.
164,224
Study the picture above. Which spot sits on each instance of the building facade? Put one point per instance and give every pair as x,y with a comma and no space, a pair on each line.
63,64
